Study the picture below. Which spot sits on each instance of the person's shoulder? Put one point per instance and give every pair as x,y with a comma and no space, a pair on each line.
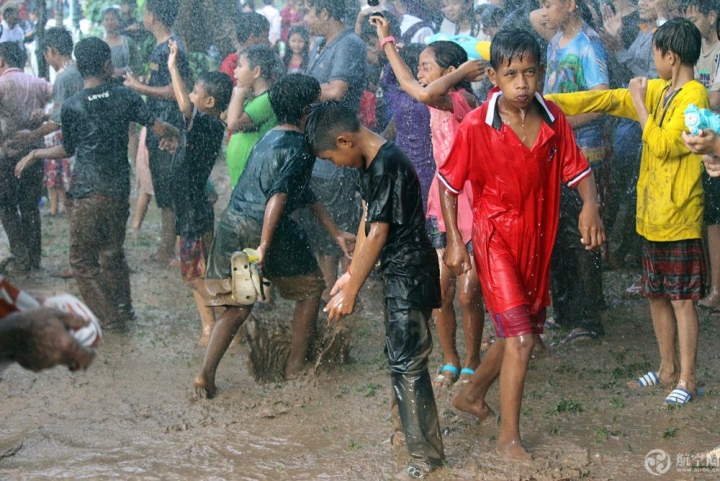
350,38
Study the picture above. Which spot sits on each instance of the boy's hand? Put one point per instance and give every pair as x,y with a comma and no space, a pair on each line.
638,88
342,304
474,70
457,259
24,163
131,81
712,165
703,143
591,226
340,284
346,241
612,22
169,144
172,58
382,25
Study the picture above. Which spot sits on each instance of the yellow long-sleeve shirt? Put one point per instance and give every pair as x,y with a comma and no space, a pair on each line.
670,198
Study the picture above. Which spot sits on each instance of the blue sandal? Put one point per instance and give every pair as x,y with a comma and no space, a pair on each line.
465,375
444,381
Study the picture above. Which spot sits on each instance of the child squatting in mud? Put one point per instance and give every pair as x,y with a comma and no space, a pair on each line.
516,150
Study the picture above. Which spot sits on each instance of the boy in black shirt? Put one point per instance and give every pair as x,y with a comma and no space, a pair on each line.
275,183
191,167
158,19
392,232
95,126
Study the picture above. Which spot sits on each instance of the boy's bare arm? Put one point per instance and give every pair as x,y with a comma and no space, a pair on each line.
178,85
364,260
56,152
345,240
165,92
273,212
237,119
436,94
456,256
590,223
169,135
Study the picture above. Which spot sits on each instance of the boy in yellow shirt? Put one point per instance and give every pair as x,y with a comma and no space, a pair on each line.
670,197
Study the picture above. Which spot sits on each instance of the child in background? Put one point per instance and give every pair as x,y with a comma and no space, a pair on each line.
296,55
514,151
194,218
158,18
410,121
392,235
670,197
250,115
576,61
443,86
251,28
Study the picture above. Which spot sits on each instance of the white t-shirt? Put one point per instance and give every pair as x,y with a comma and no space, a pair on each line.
706,69
15,34
273,16
421,35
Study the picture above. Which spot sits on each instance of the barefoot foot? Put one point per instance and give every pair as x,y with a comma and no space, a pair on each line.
479,409
204,389
293,369
513,450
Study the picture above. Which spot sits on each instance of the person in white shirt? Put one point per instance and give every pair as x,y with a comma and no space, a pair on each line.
273,16
415,27
10,29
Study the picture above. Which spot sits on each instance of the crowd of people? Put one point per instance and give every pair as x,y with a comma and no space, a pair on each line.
357,138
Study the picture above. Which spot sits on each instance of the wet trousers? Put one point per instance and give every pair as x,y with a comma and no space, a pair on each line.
575,274
20,211
97,235
408,346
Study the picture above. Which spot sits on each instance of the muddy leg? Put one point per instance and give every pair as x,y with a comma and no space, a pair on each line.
687,323
512,382
207,318
471,399
328,267
663,318
446,323
141,207
222,334
304,317
166,250
473,317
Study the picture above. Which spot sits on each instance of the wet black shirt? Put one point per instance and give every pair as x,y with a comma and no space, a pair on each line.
408,262
95,129
159,76
190,172
279,163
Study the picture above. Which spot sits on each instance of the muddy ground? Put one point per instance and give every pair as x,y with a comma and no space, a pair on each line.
132,415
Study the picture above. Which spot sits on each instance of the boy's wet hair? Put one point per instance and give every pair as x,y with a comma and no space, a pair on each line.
703,6
165,11
11,53
263,56
291,97
328,120
91,56
513,43
59,39
681,37
336,9
248,24
219,86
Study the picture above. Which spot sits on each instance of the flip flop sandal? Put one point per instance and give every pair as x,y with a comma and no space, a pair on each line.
551,324
444,381
679,397
579,335
649,379
466,375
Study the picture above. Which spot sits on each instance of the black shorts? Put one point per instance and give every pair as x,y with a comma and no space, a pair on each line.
160,169
711,186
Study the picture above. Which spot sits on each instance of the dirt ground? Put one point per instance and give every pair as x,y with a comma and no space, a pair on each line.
132,415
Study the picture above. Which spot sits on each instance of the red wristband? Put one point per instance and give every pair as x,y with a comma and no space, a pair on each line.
387,40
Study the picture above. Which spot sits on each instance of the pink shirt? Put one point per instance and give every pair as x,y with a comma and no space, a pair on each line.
20,95
444,125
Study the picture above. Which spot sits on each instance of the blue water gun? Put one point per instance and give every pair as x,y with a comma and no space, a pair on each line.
698,119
